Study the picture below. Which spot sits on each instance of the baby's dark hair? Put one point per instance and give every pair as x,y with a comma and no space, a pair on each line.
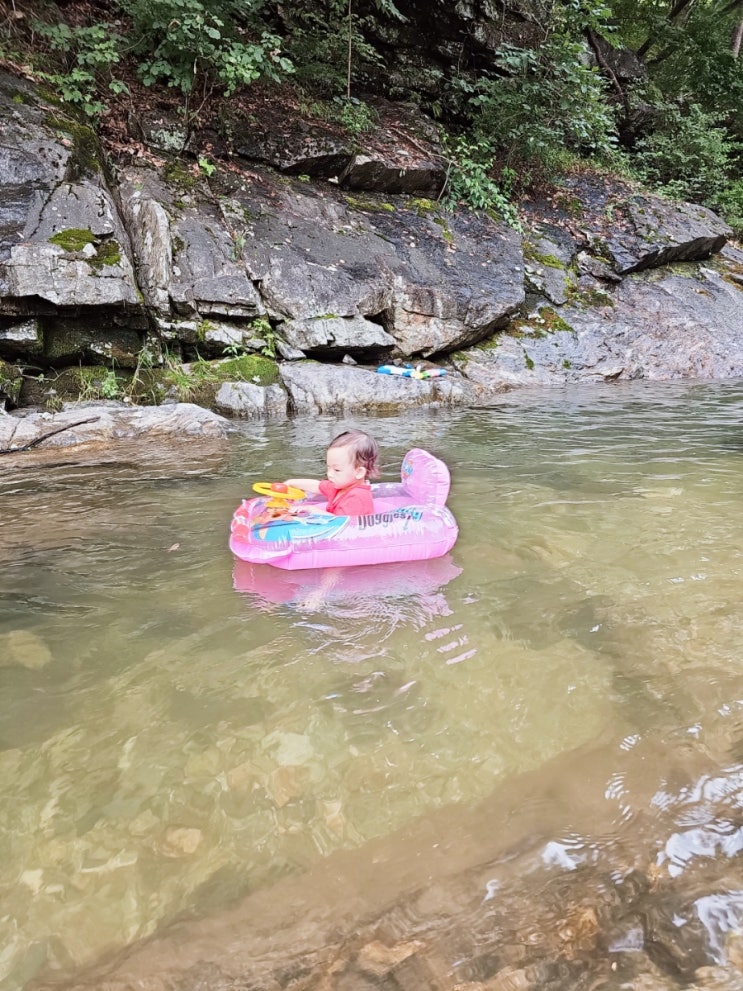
364,450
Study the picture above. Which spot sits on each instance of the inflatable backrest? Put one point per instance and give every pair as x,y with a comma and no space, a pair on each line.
425,478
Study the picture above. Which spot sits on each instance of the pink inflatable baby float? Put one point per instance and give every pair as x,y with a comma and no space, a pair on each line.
410,522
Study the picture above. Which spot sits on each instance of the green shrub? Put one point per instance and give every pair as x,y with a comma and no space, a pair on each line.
545,104
469,180
689,155
730,204
326,50
183,43
86,55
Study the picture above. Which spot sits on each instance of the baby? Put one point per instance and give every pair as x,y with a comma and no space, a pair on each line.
351,461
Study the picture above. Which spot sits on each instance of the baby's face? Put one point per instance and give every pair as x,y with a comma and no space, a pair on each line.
342,470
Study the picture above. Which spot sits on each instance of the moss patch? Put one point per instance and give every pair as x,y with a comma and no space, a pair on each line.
199,382
108,253
73,239
87,155
549,261
11,380
248,368
368,205
593,297
445,231
177,174
422,206
547,322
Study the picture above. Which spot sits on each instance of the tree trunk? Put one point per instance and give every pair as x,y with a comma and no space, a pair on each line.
737,39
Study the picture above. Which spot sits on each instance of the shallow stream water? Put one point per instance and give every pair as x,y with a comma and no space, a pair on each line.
179,732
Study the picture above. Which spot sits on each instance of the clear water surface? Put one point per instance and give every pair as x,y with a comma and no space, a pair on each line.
177,731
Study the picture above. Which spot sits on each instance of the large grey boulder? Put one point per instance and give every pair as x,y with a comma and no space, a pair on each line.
109,423
355,335
247,400
630,229
300,147
654,325
311,255
402,154
455,279
659,232
397,151
317,388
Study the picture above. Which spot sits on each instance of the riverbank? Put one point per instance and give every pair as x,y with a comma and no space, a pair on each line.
258,293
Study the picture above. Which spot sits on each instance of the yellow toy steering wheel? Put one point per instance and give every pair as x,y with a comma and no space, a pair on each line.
280,494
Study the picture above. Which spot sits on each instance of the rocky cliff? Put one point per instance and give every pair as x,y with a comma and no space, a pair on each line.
276,275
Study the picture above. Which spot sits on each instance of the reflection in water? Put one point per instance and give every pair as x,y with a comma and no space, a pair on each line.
386,595
178,730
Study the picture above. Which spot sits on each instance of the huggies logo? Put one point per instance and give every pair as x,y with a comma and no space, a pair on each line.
384,519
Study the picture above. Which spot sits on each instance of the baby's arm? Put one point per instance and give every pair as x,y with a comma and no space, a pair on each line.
310,485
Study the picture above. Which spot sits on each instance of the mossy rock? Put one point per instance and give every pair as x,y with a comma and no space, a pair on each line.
593,297
547,260
76,383
547,322
175,173
200,381
368,205
256,368
87,153
91,340
108,253
489,344
11,382
75,239
423,206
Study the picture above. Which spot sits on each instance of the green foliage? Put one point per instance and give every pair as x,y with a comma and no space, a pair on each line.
234,349
730,204
86,55
207,167
545,103
108,253
469,180
353,114
388,8
186,43
263,328
689,155
319,39
255,368
97,384
688,55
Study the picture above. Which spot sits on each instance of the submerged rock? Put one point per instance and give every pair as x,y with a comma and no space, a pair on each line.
25,649
79,425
